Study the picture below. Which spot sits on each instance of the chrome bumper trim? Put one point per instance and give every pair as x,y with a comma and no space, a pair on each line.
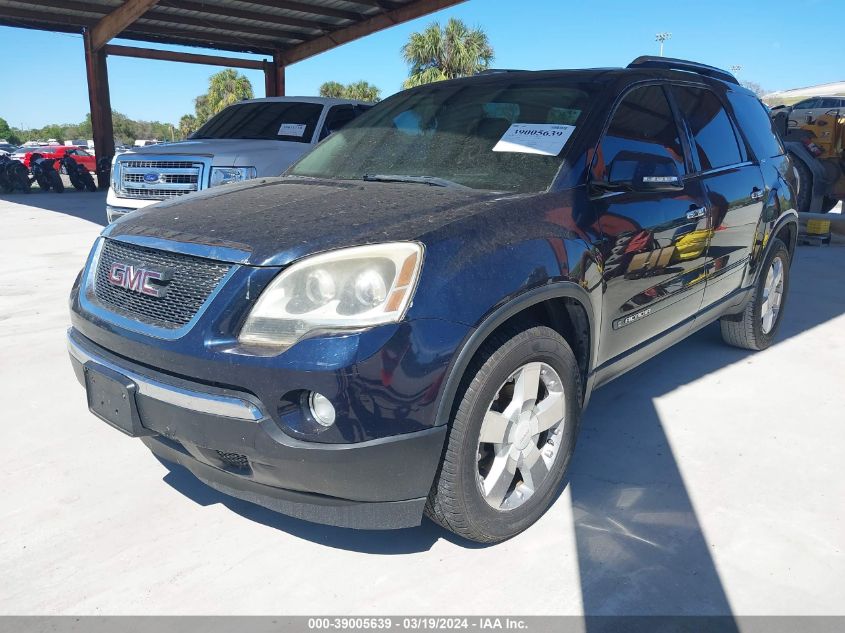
226,406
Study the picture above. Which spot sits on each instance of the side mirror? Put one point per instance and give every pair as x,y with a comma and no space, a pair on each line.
641,171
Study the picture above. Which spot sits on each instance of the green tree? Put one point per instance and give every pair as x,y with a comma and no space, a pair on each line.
7,133
358,90
363,91
332,89
187,125
439,53
224,89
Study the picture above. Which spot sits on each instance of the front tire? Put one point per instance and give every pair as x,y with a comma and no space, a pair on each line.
755,327
512,436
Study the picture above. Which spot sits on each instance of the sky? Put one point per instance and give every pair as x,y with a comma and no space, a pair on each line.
779,44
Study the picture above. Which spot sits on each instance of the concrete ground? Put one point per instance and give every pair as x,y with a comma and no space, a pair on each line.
708,480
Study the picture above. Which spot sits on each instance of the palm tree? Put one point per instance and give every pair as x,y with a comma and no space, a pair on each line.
363,91
187,125
358,90
224,89
446,53
332,89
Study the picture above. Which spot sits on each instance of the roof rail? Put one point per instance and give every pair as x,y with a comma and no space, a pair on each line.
496,71
670,63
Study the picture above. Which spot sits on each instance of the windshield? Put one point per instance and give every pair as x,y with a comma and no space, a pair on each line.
271,120
503,136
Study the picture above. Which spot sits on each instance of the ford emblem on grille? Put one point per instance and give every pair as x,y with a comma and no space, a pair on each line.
151,177
139,278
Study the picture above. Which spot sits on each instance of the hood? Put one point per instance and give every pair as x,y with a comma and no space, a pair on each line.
279,220
270,157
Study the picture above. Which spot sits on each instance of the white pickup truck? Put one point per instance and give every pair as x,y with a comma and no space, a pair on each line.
257,137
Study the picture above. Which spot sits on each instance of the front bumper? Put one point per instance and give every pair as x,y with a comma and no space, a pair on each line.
377,484
117,207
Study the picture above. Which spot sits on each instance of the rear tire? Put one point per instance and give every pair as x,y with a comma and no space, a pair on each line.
480,491
755,327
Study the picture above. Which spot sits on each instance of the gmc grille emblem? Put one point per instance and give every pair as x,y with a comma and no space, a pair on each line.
139,278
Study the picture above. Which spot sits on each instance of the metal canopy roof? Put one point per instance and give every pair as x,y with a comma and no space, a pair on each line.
293,29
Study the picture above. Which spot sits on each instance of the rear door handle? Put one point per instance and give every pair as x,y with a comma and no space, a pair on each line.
695,214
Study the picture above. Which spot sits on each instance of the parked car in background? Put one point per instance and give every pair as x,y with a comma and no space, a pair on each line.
7,148
412,319
258,137
79,154
814,107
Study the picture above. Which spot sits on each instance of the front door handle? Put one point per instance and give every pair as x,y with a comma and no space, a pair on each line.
756,194
695,214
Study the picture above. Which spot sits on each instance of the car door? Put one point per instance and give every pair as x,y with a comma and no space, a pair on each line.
733,185
652,254
803,109
85,158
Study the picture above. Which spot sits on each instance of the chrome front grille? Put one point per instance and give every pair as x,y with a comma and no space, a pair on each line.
155,194
158,179
192,280
165,178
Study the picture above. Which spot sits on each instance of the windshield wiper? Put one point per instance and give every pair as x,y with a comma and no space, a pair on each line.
434,181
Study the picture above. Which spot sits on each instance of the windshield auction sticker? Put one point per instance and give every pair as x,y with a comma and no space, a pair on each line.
545,139
292,129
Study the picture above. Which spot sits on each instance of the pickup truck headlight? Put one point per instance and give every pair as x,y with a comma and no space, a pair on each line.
114,174
351,288
227,175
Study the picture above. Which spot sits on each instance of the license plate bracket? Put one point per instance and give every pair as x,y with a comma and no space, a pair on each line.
111,397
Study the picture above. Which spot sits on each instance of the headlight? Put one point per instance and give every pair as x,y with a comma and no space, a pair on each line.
348,288
115,176
227,175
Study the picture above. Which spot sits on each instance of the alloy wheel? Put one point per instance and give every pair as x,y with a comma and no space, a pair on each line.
772,295
520,436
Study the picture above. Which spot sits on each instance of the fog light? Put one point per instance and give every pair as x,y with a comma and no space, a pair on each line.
321,409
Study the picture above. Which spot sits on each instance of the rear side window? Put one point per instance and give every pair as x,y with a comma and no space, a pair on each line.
643,122
711,129
756,125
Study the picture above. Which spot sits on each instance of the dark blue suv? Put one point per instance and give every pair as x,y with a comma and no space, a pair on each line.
411,320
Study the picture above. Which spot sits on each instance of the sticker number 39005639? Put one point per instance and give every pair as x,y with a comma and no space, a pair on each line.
546,139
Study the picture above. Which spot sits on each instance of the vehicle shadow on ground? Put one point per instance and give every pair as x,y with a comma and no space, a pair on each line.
641,549
86,205
405,541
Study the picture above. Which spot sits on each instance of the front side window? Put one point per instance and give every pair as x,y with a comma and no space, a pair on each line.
469,133
643,123
268,120
715,143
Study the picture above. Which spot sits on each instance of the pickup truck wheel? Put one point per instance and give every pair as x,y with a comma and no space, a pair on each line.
755,327
512,436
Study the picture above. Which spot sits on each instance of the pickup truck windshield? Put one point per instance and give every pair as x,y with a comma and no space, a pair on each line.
275,121
503,136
